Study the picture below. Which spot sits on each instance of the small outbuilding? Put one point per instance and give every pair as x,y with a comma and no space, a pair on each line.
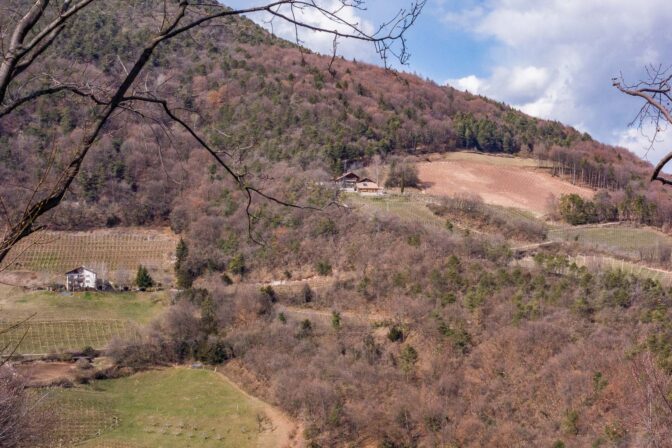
80,278
367,186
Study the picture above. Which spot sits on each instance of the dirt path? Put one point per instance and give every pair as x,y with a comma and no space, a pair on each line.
42,373
320,314
285,432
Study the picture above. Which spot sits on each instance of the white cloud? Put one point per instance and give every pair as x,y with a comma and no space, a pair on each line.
469,83
319,41
639,142
555,58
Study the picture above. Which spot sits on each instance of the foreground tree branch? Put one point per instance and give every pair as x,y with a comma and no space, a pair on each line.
656,112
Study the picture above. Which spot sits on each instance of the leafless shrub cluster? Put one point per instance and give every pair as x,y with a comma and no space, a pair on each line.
473,210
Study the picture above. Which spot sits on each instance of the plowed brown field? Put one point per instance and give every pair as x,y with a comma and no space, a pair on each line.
506,184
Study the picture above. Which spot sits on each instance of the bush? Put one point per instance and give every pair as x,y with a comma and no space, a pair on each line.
226,279
237,264
305,329
306,293
269,292
325,227
323,268
570,424
336,320
408,358
395,334
576,211
89,352
215,351
470,207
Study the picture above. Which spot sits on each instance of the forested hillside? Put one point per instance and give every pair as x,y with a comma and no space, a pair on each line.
266,101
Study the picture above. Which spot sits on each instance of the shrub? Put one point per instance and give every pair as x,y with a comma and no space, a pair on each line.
307,293
323,268
570,423
413,240
336,320
237,264
269,292
575,210
305,329
325,227
408,358
89,352
215,351
226,279
395,334
460,338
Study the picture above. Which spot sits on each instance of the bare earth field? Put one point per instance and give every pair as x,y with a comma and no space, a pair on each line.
500,181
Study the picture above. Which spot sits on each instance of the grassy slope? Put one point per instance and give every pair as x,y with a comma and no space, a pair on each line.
173,408
415,210
72,322
622,239
405,208
139,307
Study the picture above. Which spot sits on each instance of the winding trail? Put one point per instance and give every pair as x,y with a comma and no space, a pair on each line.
283,433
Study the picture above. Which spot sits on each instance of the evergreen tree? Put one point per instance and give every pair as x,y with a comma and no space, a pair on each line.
143,279
182,273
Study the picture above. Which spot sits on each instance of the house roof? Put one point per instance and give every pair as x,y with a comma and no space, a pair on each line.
79,269
348,175
367,183
365,179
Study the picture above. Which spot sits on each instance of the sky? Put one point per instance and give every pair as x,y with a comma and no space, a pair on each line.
553,59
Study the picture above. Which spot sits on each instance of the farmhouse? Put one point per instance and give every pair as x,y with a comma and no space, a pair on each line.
348,181
367,186
80,278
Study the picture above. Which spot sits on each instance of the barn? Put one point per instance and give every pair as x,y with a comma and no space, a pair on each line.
80,278
348,181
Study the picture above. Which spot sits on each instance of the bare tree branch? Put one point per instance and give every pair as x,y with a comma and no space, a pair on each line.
656,110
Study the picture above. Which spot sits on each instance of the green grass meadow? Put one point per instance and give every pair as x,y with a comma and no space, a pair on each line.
619,239
60,322
171,408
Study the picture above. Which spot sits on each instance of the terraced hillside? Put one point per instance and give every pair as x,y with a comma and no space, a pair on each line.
114,254
67,322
